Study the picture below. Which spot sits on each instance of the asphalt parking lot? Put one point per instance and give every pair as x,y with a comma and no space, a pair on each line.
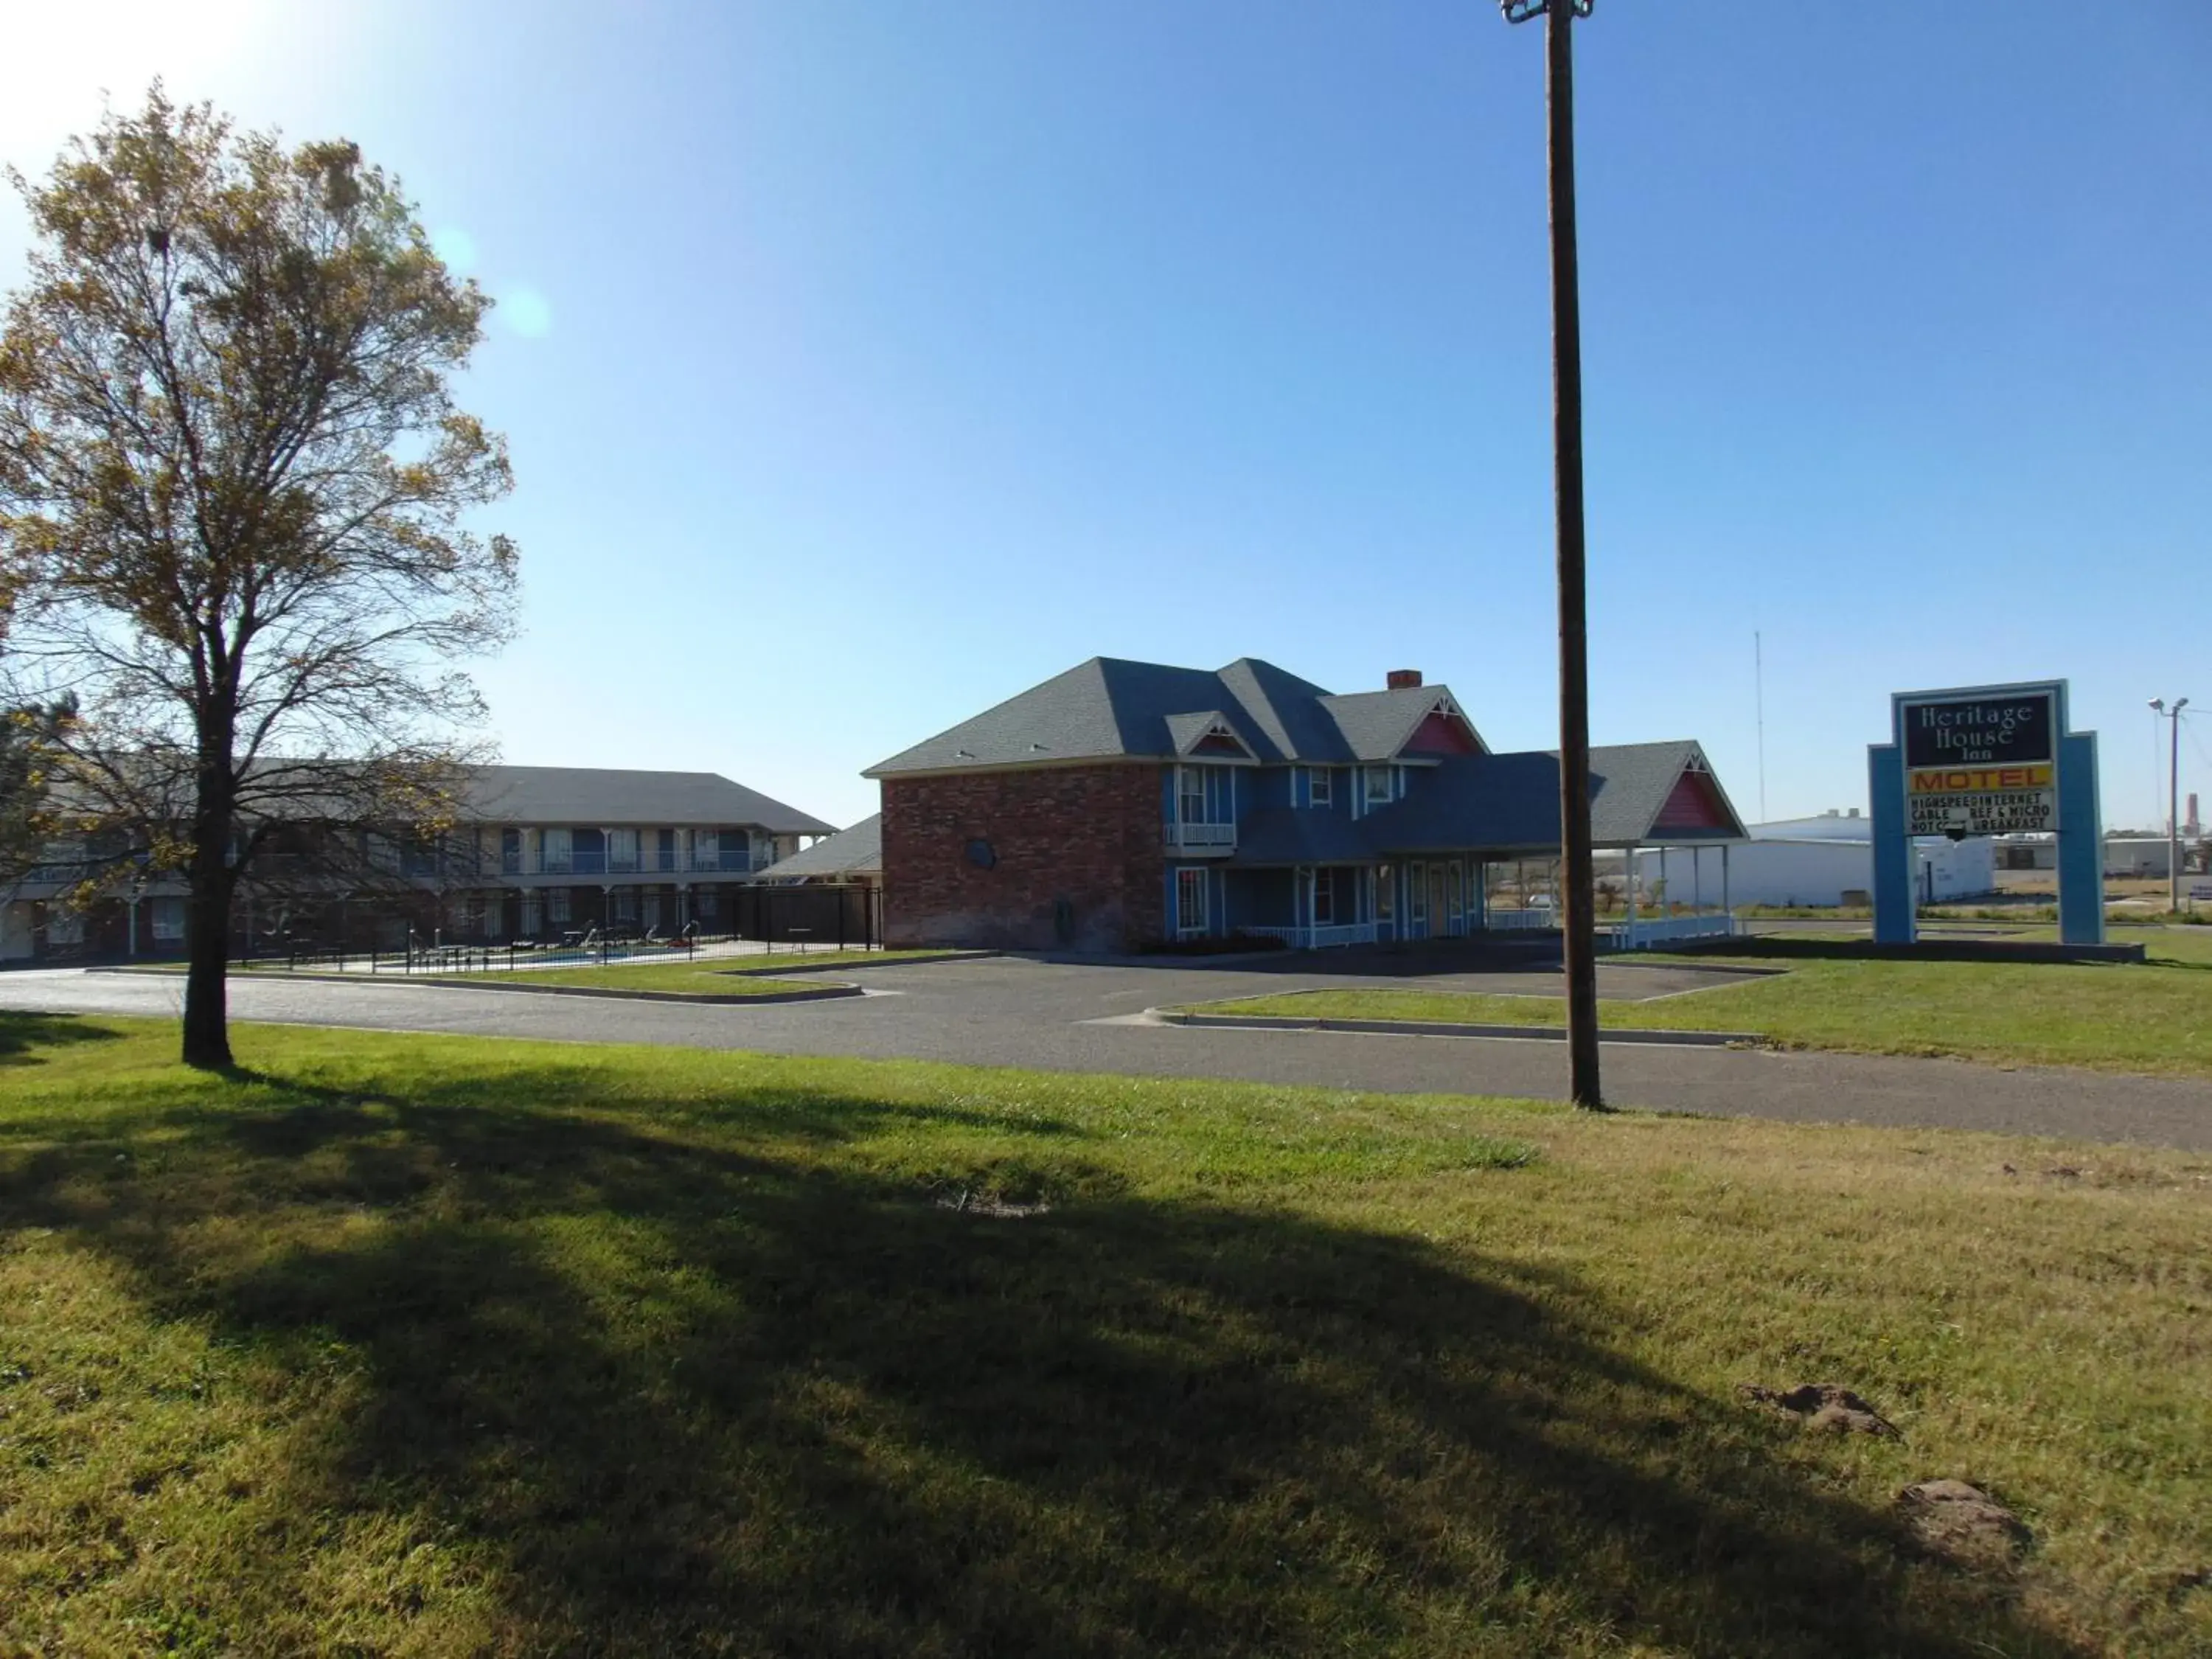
1060,1015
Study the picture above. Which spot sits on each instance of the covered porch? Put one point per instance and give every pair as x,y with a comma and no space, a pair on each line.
1461,896
1317,906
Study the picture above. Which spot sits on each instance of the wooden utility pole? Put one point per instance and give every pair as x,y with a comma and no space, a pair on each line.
1577,918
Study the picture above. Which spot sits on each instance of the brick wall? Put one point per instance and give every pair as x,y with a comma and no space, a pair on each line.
1091,836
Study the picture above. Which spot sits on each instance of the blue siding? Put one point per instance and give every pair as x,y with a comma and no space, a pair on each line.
1264,786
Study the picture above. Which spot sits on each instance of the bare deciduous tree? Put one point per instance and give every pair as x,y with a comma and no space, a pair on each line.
233,488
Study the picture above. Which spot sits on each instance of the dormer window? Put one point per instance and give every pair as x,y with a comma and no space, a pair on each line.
1376,786
1322,788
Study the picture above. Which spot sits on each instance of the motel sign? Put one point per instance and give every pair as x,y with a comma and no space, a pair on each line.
1982,765
1990,760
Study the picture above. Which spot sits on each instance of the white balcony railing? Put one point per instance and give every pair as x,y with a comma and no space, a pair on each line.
1201,837
650,861
1643,935
1502,921
1319,937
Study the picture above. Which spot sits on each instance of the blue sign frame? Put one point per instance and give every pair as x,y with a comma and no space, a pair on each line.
2080,832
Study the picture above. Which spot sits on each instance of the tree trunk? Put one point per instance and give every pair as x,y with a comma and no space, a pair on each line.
206,992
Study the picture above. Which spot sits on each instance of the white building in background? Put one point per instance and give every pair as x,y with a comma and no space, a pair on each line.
1818,861
2141,855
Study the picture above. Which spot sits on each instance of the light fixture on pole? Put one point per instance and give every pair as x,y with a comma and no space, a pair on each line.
2172,716
1576,920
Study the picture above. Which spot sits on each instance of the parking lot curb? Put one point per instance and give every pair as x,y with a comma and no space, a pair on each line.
1450,1027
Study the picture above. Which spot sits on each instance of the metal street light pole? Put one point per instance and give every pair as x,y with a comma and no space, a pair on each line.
1576,920
2172,717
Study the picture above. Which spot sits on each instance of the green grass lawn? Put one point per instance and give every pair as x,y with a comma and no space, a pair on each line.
429,1345
2123,1017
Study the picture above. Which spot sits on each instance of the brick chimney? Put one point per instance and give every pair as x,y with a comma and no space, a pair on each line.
1404,679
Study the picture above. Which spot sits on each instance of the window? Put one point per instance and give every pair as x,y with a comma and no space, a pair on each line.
557,904
1386,896
1323,786
706,904
706,854
1417,894
625,904
559,852
64,925
1324,898
510,852
168,920
1378,786
1190,901
533,915
622,849
1191,787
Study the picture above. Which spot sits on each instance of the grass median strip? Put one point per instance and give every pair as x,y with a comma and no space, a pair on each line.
746,975
448,1345
2150,1018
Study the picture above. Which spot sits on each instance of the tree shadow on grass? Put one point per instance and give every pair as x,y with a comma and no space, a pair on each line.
22,1035
717,1387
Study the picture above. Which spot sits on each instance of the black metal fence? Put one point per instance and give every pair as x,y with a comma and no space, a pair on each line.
361,928
850,918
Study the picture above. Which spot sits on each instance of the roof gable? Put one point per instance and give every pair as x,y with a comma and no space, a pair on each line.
1207,733
1379,725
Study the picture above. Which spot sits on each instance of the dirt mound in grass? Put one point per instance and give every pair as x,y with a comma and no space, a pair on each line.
1826,1407
1963,1522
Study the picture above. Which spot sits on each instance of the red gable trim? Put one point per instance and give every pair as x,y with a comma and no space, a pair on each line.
1441,734
1694,804
1215,744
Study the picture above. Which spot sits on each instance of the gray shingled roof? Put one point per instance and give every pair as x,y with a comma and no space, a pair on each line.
1287,709
601,795
1501,802
1286,834
857,851
1375,724
1112,709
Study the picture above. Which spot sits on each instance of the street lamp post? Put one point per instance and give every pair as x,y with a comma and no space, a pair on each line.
2172,717
1577,922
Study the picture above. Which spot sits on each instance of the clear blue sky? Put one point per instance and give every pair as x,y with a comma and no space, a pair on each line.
867,363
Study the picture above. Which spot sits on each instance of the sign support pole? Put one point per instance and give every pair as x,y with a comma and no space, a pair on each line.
1578,881
1896,919
2080,843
